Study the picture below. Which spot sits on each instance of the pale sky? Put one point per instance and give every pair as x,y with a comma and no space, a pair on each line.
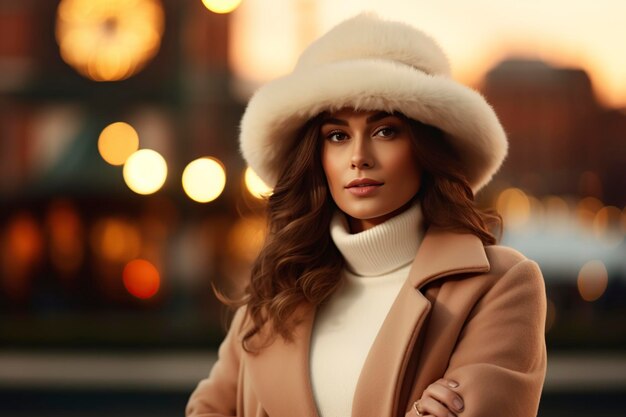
268,35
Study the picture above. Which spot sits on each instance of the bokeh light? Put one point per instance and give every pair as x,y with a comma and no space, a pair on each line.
514,206
537,209
115,240
204,179
109,40
255,185
586,210
117,142
246,238
65,230
141,279
593,279
25,239
145,171
556,207
557,215
221,6
606,225
21,251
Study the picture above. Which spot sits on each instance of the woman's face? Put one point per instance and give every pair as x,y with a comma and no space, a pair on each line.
370,165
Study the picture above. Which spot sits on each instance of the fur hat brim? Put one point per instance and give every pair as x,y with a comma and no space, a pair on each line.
281,107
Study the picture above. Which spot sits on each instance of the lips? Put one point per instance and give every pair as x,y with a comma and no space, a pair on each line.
363,182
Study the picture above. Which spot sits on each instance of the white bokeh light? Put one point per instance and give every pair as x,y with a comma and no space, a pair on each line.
145,171
255,185
204,179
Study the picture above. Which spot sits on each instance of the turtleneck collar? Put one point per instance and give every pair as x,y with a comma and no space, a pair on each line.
382,248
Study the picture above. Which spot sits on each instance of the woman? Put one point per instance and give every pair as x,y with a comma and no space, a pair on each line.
379,290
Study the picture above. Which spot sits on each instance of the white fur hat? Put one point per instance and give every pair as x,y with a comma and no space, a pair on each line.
372,64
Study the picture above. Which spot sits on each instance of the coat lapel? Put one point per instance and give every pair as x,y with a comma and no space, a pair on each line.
376,392
380,385
280,372
444,253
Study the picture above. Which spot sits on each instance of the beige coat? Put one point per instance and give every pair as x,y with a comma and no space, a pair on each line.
467,312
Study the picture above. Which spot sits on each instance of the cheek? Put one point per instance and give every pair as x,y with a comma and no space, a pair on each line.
329,179
403,162
329,164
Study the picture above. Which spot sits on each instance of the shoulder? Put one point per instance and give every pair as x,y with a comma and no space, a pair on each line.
504,259
243,331
510,270
240,318
237,328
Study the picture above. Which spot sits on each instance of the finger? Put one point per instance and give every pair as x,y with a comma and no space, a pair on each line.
446,396
449,382
433,407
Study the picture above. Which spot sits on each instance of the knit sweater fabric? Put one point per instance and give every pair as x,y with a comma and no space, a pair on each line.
377,262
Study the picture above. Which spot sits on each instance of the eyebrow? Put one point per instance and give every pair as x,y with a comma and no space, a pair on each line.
373,118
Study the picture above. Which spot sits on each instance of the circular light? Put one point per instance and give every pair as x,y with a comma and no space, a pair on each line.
65,231
145,171
592,280
24,239
109,40
117,142
606,225
246,238
255,184
141,278
606,218
116,240
514,206
221,6
204,179
556,207
586,210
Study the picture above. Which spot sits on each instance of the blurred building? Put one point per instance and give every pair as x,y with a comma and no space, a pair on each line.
562,141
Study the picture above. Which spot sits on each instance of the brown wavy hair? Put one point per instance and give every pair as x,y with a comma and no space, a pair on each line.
299,262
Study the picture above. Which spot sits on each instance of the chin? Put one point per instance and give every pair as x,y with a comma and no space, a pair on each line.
363,212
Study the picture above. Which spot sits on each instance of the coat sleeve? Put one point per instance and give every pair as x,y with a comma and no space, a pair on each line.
216,396
500,358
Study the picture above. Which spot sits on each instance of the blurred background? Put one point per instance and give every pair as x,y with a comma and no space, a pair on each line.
123,195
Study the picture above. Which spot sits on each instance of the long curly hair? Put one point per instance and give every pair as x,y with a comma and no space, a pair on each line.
299,262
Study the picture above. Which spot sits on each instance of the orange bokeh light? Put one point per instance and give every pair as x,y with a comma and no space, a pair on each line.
107,40
141,279
592,280
116,240
21,250
65,230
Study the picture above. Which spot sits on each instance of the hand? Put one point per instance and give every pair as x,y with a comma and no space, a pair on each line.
439,400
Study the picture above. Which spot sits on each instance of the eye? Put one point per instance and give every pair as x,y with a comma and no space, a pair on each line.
386,132
336,136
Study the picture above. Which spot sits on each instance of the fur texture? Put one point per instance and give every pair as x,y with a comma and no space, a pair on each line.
372,64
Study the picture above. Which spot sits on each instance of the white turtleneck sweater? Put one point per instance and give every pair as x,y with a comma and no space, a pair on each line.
377,264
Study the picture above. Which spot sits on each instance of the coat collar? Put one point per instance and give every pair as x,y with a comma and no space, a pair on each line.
280,373
444,253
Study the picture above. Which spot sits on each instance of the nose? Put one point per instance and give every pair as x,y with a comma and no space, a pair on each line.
361,157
